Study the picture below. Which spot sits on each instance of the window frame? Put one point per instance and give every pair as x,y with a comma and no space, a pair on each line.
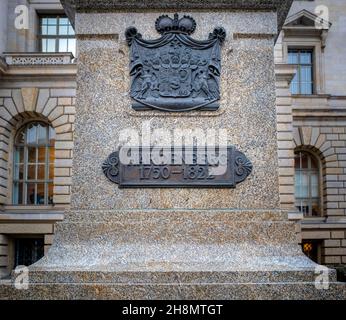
308,42
320,185
299,65
57,36
25,181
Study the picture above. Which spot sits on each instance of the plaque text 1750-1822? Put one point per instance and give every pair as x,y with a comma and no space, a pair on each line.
185,167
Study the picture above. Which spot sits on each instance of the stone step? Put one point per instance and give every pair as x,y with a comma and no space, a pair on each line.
179,291
174,277
170,226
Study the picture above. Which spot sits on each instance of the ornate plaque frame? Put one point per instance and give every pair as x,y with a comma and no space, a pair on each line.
190,175
175,72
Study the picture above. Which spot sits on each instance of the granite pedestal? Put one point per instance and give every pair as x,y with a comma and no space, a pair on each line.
175,243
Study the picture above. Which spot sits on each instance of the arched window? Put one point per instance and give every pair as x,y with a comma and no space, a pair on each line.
307,184
33,165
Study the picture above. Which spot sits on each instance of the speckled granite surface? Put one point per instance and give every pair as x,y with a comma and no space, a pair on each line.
280,6
175,243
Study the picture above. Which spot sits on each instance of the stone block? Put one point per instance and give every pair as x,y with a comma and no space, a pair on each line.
332,260
68,136
29,98
18,100
3,261
284,118
338,143
321,139
60,121
332,243
58,198
3,250
326,130
286,189
61,190
27,228
48,239
285,145
284,127
286,180
334,171
62,154
10,106
332,137
62,181
3,239
64,101
64,128
338,130
286,198
63,163
61,172
5,93
56,113
69,110
42,99
315,234
49,107
338,234
335,251
284,136
284,153
288,171
63,145
67,92
315,132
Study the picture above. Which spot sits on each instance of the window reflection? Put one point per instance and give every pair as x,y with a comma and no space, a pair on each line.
33,171
307,187
57,34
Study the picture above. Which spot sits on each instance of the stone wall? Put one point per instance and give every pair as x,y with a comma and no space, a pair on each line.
316,123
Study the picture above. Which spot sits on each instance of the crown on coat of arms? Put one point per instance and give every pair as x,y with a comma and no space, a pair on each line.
166,24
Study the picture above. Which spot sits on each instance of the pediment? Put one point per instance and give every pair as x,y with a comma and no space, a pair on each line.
306,20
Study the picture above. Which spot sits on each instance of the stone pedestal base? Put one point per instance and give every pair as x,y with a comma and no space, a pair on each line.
177,291
175,254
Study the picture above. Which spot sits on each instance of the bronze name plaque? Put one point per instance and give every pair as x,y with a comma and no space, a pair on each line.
178,167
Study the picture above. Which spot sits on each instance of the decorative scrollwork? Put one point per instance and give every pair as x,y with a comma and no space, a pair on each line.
219,34
131,34
111,167
243,166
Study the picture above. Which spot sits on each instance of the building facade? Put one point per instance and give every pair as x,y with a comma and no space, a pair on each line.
37,112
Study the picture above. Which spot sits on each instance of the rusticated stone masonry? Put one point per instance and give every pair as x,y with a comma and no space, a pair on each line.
54,106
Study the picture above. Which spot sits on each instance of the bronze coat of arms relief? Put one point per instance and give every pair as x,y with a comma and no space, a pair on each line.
175,72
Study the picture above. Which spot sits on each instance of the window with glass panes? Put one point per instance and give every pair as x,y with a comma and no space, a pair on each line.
302,82
307,184
57,34
33,165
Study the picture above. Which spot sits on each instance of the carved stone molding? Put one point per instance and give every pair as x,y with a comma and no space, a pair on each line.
25,59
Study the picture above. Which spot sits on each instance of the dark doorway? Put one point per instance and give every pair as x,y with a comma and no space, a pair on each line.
312,249
28,251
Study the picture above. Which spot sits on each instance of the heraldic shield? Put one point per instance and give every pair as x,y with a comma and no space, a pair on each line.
175,72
